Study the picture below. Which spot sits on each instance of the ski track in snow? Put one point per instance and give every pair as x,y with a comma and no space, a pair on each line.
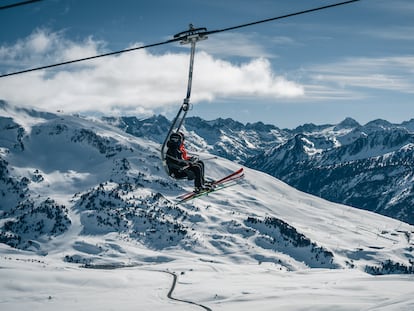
169,295
172,288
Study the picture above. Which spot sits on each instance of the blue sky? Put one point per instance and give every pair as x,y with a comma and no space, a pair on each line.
353,61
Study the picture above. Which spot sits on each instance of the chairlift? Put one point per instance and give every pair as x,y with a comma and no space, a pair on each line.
192,36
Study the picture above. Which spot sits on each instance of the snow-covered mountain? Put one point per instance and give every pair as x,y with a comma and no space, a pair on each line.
370,166
75,190
366,166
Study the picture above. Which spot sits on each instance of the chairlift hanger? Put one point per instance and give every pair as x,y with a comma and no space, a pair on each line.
192,36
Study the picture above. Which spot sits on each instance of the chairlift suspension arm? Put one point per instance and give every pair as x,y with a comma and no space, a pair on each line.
190,71
186,104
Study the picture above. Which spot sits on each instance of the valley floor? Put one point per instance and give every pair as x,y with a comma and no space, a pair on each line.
36,283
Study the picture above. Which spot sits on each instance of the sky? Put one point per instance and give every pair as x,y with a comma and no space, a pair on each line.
355,60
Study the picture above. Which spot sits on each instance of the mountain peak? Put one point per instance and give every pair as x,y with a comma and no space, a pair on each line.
260,126
379,123
348,123
310,127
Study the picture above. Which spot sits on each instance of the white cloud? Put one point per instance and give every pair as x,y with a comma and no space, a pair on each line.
39,42
44,47
405,33
248,45
401,6
347,78
255,78
236,44
131,82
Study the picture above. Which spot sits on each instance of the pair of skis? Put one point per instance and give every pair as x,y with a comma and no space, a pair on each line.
225,182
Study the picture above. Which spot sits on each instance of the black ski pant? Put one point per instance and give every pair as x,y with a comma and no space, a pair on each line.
197,168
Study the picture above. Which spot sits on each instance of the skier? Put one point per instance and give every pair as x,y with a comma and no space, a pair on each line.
180,165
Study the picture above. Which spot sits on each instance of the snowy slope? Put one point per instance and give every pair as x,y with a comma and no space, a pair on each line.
76,191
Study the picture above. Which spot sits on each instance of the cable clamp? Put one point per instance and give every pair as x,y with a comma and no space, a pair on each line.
191,35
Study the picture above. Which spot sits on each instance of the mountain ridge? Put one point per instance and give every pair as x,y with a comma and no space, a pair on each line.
110,192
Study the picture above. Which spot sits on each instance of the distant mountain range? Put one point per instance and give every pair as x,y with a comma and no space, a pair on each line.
367,166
